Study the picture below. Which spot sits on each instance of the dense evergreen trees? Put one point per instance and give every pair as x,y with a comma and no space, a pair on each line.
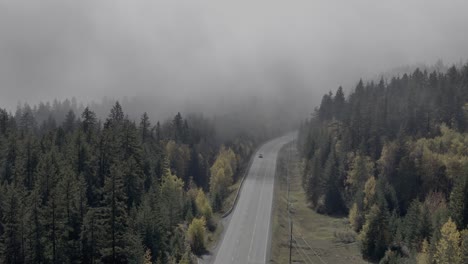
74,189
393,155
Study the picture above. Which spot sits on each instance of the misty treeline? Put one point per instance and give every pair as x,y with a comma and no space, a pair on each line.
229,119
75,189
393,156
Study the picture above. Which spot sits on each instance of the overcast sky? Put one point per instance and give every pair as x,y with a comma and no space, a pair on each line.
212,52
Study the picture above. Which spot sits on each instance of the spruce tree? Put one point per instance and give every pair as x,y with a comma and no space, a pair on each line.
69,123
36,233
88,123
93,235
11,237
339,104
459,201
72,208
115,223
145,127
149,221
375,234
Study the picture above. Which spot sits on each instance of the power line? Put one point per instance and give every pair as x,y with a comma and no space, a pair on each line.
305,253
291,236
302,254
315,253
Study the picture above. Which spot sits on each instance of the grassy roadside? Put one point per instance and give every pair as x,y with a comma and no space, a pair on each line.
317,238
213,237
230,199
228,203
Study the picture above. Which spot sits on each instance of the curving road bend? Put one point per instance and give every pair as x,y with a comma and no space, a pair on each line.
247,238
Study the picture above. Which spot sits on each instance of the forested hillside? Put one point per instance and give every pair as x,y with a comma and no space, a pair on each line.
75,189
393,156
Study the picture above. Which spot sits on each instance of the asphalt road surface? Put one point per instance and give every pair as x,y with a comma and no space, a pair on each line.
247,238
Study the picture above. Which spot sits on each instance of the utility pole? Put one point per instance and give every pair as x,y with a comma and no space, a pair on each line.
289,204
290,242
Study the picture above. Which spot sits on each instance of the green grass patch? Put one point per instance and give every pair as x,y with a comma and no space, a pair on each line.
317,238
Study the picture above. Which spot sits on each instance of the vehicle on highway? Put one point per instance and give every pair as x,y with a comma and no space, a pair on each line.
260,155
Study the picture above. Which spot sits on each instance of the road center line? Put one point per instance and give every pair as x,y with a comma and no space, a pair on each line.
257,212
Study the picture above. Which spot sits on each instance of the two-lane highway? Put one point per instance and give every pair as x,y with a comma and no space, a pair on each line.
247,238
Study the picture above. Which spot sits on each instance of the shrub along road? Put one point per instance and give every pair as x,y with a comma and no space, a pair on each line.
248,235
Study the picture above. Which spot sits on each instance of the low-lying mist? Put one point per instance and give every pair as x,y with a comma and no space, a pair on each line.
242,62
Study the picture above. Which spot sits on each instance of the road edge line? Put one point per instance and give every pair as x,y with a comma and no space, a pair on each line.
245,173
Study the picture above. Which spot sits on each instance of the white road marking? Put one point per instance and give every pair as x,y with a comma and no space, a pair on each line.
244,241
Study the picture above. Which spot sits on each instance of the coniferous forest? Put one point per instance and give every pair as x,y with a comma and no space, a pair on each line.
75,189
233,132
393,157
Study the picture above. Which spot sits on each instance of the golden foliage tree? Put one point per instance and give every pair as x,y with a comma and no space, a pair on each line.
203,205
355,218
361,170
222,173
369,192
424,257
196,235
172,196
448,246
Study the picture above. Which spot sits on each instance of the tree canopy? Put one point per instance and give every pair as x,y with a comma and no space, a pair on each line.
75,189
393,156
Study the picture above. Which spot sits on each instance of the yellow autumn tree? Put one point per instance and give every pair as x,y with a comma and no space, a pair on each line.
196,235
424,257
186,257
369,192
172,197
355,218
448,246
361,170
222,173
203,205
